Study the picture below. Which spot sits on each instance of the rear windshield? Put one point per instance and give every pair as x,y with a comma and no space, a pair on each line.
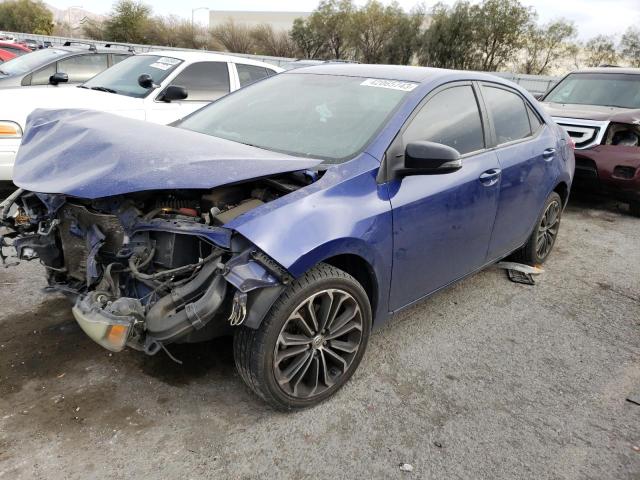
604,89
31,62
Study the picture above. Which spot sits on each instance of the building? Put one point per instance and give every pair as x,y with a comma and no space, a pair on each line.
277,20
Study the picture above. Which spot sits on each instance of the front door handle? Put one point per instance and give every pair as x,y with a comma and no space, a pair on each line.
490,177
548,154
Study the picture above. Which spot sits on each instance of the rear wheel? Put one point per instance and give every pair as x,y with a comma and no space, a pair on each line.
544,235
310,343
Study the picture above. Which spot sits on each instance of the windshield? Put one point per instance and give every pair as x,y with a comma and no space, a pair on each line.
30,62
605,89
318,116
122,78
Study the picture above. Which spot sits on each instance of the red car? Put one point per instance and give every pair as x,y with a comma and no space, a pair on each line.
600,108
15,48
6,55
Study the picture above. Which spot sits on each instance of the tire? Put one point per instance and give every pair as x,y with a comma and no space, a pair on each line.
531,252
634,209
291,343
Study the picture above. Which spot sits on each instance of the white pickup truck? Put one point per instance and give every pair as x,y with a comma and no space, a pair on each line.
160,87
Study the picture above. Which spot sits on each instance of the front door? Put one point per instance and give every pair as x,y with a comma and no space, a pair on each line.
442,224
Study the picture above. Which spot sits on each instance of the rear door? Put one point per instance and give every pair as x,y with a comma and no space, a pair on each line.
526,150
442,223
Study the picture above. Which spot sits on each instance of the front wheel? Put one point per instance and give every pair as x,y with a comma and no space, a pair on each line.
310,343
544,235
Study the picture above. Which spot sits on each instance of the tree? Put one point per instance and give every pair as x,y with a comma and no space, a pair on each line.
332,22
600,50
500,26
545,45
29,16
449,41
268,41
372,30
309,41
405,38
130,21
233,37
92,29
630,46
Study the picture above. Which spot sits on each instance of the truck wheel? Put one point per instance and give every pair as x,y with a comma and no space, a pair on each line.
543,237
634,209
310,342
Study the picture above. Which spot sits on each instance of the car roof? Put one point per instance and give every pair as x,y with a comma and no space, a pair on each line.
393,72
193,56
630,71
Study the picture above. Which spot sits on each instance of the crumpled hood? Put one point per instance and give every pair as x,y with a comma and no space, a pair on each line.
90,154
593,112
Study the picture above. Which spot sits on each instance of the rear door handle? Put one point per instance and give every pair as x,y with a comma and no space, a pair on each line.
548,154
490,177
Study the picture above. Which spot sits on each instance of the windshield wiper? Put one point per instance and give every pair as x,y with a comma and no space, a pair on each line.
104,89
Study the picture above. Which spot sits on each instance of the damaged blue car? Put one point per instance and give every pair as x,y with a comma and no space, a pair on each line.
296,214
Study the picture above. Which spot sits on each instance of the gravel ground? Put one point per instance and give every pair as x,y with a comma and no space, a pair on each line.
489,379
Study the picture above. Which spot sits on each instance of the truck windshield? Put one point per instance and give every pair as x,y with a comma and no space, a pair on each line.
604,89
122,78
319,116
33,61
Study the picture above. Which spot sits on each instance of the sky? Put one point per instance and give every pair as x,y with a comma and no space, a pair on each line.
593,17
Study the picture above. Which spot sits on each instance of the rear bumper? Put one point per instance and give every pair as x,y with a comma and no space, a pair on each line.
610,169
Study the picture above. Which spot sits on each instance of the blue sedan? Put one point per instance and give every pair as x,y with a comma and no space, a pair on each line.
295,214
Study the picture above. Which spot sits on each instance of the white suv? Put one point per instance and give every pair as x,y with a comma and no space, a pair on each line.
160,87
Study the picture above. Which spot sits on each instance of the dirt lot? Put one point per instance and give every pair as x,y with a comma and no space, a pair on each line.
489,379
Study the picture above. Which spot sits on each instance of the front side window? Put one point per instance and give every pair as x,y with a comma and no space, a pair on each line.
332,118
204,81
509,114
123,76
41,77
450,117
81,68
605,89
249,74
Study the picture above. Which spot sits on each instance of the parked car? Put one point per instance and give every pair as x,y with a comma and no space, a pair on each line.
5,55
160,87
32,44
15,48
600,108
66,65
295,225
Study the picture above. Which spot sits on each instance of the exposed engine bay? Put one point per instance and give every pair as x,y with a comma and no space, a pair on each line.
150,268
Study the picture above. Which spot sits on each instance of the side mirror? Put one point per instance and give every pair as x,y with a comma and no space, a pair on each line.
146,81
174,92
57,78
429,158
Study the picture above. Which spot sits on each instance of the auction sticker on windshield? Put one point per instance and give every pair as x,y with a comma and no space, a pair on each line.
165,63
392,84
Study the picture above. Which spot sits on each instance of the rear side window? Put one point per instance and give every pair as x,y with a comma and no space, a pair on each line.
83,67
117,58
510,116
251,73
451,118
534,120
204,81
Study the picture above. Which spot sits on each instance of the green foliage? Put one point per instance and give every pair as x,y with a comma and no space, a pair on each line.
600,50
130,21
29,16
373,28
309,41
630,46
331,21
545,45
